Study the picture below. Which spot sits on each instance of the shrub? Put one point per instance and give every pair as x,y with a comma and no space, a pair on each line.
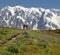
26,36
13,49
42,44
2,32
23,49
6,53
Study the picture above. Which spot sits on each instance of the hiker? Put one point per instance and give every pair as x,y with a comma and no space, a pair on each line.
25,26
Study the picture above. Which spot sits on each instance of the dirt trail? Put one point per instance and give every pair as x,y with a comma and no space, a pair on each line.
8,40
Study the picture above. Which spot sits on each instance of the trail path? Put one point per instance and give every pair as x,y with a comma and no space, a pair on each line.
8,40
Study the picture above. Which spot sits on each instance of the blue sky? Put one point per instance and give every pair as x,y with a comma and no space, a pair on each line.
31,3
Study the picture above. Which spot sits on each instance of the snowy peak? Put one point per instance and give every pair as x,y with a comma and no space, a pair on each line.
35,18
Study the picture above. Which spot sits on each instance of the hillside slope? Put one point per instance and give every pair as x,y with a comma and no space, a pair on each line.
29,42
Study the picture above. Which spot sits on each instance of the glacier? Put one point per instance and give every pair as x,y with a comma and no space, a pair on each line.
35,18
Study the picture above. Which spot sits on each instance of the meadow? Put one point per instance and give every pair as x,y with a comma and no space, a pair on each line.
29,42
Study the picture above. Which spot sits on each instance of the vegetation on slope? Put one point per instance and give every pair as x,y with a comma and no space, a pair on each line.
29,42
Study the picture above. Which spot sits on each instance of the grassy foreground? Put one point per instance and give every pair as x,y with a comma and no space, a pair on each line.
29,42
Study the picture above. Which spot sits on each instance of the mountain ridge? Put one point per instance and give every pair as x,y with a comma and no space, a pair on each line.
35,18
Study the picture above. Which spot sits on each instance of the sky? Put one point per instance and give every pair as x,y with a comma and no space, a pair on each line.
31,3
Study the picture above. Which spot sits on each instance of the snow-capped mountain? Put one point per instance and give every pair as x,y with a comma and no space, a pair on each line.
35,18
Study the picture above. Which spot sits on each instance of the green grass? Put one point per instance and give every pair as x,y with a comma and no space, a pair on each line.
30,42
